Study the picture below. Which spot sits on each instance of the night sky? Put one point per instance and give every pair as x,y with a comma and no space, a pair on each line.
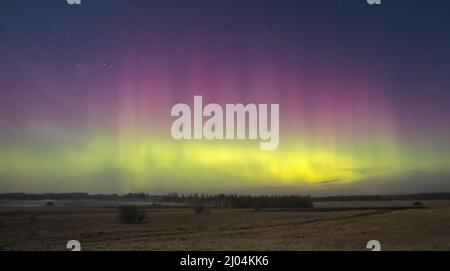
86,92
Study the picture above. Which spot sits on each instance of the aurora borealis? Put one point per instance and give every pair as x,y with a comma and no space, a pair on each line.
86,93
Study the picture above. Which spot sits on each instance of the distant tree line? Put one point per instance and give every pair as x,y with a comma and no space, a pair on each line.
75,196
241,201
423,196
53,196
219,201
223,200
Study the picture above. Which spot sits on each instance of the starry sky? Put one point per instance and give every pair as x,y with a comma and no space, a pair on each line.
86,92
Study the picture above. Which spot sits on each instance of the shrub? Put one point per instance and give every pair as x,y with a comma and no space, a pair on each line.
131,214
49,203
199,208
418,203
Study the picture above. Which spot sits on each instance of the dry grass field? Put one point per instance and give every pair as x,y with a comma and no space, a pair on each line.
97,228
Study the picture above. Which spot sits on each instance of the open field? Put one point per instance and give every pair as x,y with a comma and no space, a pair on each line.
35,227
